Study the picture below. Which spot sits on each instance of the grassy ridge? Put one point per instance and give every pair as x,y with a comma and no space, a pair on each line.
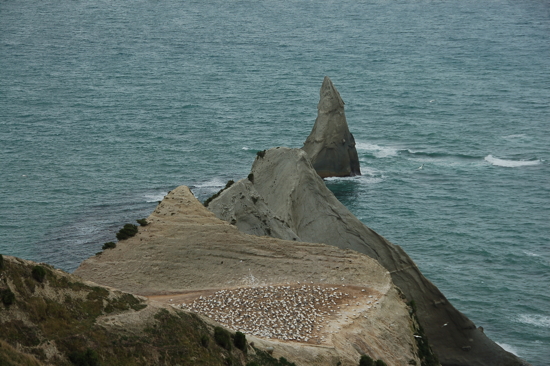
58,319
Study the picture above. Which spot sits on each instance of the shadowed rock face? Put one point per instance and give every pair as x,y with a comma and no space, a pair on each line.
330,145
287,190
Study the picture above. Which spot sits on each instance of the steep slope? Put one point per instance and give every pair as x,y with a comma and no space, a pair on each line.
185,255
330,145
287,191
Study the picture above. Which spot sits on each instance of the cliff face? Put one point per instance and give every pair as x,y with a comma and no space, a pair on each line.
330,145
185,255
288,199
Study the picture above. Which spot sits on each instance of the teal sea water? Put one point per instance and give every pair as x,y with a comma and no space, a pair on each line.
105,106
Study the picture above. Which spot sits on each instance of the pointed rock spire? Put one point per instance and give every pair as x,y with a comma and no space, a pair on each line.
330,146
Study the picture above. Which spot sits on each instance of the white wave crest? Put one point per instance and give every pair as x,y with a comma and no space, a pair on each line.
246,148
155,197
361,178
536,320
510,163
531,254
517,136
377,150
509,348
212,183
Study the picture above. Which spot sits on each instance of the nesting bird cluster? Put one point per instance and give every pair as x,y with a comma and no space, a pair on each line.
293,313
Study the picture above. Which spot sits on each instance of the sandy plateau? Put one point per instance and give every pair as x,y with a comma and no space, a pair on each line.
312,303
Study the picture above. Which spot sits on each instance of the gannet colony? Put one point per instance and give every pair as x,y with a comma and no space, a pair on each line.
289,313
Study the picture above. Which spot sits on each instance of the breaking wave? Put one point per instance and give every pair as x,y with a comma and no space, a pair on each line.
509,348
510,163
377,150
155,197
534,319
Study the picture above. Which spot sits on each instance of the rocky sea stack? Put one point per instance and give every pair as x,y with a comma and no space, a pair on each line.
330,145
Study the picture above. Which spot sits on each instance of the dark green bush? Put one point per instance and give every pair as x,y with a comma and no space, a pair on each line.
366,361
1,262
380,363
142,222
251,177
222,338
109,245
127,231
205,340
261,154
84,358
7,296
38,273
240,341
283,362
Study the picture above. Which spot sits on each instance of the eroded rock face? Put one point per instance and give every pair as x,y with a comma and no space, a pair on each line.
290,192
330,145
196,259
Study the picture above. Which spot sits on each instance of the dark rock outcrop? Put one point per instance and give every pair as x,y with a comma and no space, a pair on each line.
294,196
330,145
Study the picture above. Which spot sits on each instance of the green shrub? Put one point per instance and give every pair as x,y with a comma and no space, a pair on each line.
240,341
1,262
38,273
127,231
109,245
84,358
142,222
283,362
222,338
366,361
380,363
205,340
251,177
261,154
7,297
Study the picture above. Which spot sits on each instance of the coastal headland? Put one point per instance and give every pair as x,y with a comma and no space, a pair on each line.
274,256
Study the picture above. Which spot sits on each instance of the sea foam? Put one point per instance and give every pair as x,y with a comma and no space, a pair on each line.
509,348
155,197
535,319
377,150
510,163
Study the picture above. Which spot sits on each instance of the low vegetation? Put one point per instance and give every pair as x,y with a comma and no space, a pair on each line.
222,338
425,354
7,296
142,222
240,341
109,245
62,315
38,273
127,231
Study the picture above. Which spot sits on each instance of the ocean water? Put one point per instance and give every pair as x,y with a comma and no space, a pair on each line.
105,106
